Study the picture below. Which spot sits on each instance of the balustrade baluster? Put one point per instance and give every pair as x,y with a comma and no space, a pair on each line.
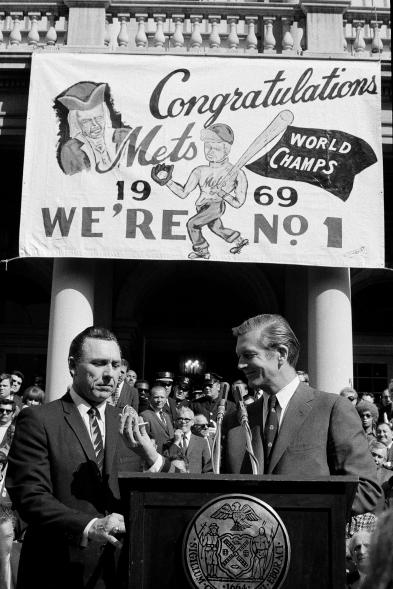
287,39
159,37
178,37
123,37
251,40
376,45
1,28
141,40
51,34
33,37
107,34
233,39
15,34
269,42
196,37
359,44
214,37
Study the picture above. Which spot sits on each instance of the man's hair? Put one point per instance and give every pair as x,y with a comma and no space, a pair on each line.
91,332
274,332
375,445
185,409
125,363
33,393
364,406
18,373
5,376
348,390
8,402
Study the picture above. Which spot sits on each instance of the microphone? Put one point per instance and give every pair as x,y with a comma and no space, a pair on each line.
238,397
224,390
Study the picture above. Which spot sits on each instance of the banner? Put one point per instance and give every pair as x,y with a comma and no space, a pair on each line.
204,158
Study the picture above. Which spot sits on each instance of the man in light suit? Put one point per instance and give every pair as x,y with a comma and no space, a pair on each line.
62,474
194,450
296,430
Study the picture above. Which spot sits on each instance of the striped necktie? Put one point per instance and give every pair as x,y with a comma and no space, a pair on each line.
96,436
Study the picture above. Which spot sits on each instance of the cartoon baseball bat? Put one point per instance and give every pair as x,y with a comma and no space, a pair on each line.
273,130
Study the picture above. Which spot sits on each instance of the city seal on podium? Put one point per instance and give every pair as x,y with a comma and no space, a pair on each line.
236,542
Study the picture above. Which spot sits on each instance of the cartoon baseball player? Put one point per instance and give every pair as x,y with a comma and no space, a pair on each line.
214,192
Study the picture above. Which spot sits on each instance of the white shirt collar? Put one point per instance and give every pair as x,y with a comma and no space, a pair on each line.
283,396
83,406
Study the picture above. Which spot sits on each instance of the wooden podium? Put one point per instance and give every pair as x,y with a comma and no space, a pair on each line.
159,507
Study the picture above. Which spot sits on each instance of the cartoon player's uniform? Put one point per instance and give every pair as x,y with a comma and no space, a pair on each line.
214,194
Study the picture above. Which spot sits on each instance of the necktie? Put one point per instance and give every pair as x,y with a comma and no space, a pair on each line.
96,436
184,442
271,429
163,419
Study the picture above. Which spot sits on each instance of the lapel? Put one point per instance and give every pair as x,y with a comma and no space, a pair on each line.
111,437
158,420
255,416
124,395
191,444
298,409
75,422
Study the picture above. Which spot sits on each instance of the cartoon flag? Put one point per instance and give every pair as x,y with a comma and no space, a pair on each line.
329,159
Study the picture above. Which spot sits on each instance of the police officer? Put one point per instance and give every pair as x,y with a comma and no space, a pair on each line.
209,402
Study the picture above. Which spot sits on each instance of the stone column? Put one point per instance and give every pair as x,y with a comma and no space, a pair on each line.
86,22
330,356
71,311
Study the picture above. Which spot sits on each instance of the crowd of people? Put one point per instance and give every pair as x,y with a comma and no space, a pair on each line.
179,416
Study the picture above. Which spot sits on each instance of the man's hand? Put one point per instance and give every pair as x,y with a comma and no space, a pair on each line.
162,173
177,437
135,435
104,529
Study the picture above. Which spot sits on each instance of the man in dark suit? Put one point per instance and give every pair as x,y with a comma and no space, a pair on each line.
194,450
124,394
159,424
62,474
296,430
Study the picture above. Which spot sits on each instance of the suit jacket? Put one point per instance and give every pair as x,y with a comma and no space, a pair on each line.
128,396
171,408
320,434
156,429
55,484
209,407
197,456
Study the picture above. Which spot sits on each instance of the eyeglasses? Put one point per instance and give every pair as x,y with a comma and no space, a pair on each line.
185,419
367,415
202,425
7,411
350,398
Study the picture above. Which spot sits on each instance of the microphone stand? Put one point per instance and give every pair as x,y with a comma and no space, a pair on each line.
243,419
216,446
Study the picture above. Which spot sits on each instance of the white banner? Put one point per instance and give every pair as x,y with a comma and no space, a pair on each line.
232,159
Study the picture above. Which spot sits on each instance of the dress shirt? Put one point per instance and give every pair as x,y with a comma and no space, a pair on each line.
187,436
83,407
283,398
3,431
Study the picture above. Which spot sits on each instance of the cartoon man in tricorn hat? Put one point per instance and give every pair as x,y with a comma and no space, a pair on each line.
91,135
210,205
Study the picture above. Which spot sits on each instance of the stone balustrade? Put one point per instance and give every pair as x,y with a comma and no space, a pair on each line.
233,27
25,28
